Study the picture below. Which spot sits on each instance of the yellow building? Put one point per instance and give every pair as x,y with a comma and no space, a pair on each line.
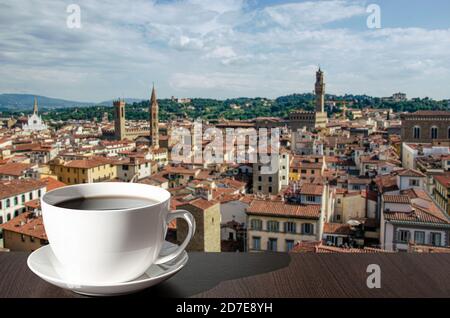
24,233
442,191
84,171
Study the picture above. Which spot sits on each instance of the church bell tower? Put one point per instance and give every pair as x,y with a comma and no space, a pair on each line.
154,121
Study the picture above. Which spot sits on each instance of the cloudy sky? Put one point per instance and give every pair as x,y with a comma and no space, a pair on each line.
223,48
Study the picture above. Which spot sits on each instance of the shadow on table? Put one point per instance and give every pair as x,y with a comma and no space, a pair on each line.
206,270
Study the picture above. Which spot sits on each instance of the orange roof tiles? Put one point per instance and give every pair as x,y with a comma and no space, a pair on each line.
419,215
311,189
443,179
14,169
201,203
53,183
337,228
411,173
279,208
396,198
27,225
15,187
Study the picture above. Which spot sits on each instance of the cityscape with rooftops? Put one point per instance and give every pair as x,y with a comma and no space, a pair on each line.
343,179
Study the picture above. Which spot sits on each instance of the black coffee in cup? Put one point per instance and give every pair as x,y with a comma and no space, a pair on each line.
105,203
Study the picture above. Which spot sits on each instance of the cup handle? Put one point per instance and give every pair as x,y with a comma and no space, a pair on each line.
187,216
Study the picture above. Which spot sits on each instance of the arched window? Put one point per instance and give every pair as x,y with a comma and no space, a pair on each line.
416,132
8,217
434,132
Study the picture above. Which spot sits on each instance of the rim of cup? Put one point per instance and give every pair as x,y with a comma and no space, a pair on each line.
165,196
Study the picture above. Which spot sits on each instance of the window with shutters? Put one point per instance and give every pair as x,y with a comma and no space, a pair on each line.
273,226
272,244
290,227
403,236
256,224
307,228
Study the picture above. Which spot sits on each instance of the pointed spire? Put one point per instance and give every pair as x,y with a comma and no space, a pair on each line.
35,110
153,98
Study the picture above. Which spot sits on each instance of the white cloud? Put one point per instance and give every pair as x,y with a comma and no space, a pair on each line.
212,48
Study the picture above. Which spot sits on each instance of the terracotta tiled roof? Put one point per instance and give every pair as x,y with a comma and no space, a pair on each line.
14,169
26,147
411,173
306,247
201,203
84,164
311,189
386,183
417,216
396,198
443,179
33,204
414,193
53,183
233,183
23,224
337,228
179,170
15,187
310,165
429,113
279,208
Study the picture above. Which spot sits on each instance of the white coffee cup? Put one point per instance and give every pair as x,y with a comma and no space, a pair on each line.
109,246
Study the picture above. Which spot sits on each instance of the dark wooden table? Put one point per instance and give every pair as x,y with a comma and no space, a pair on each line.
268,275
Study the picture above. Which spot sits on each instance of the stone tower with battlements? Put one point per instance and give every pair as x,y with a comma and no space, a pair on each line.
320,91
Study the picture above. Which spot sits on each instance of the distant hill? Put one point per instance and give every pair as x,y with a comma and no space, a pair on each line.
26,102
127,100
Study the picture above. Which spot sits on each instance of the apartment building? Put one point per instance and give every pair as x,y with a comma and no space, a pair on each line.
271,183
15,194
411,217
277,226
137,168
84,171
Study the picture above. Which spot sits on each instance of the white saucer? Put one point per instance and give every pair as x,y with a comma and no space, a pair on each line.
41,262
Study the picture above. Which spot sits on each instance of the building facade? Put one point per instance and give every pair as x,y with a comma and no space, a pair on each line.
441,192
272,182
275,226
83,171
15,194
426,126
